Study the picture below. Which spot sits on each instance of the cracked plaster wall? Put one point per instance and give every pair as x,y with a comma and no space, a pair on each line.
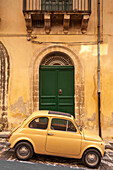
4,82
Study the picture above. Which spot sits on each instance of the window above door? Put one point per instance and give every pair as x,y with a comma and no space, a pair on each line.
57,5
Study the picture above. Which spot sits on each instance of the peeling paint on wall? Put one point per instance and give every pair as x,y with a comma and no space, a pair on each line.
19,111
4,82
20,106
111,122
108,121
91,122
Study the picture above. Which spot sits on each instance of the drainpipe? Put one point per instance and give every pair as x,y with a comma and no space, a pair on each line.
99,92
24,5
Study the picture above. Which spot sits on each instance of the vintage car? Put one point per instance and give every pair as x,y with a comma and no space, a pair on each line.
56,133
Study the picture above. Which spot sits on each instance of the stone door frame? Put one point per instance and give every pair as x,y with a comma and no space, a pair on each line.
78,78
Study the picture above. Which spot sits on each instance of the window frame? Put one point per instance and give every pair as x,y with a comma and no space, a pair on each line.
37,118
66,123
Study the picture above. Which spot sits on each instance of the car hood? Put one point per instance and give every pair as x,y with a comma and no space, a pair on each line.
89,136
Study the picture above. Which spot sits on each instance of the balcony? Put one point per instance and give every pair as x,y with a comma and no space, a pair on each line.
39,13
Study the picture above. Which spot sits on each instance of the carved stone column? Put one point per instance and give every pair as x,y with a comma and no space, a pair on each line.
47,21
66,23
84,24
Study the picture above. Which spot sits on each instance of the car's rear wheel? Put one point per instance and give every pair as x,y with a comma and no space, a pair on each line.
23,151
92,158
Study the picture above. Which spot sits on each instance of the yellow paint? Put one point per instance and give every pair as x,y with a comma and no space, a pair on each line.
93,49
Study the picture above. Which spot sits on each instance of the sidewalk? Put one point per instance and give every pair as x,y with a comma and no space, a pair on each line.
109,144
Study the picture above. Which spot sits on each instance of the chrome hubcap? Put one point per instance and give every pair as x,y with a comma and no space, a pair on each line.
23,151
92,159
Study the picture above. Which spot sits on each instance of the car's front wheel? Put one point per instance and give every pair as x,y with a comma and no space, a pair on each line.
23,151
92,158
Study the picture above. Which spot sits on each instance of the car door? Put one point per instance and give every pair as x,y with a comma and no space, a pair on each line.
63,138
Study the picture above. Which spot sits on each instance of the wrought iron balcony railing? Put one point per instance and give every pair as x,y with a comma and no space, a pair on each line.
83,6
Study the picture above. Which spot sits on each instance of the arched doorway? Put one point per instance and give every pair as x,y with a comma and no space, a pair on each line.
43,57
4,82
56,87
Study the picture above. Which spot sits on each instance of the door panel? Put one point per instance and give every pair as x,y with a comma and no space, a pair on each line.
53,79
66,84
48,89
64,143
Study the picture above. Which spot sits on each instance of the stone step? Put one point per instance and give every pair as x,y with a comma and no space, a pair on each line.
4,134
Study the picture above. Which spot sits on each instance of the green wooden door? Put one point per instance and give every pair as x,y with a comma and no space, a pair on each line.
57,88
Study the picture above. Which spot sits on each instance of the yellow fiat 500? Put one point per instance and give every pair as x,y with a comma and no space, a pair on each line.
56,133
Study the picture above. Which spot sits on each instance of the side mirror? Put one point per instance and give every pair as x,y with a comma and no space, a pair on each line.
80,128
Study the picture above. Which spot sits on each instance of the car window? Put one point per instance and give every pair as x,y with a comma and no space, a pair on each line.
62,125
71,127
39,123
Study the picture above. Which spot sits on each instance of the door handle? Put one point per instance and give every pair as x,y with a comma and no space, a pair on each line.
60,91
50,134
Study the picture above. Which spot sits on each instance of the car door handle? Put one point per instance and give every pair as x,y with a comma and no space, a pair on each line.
50,134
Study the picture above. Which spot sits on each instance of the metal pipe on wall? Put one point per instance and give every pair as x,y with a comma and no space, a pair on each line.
24,5
99,91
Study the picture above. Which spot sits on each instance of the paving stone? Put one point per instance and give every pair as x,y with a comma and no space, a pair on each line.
111,143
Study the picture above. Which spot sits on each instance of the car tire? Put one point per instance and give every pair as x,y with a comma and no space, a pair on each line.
91,158
23,151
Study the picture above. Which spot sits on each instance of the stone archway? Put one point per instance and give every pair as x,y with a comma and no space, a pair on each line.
43,57
57,58
4,82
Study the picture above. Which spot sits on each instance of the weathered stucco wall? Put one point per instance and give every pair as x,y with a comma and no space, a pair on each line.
22,54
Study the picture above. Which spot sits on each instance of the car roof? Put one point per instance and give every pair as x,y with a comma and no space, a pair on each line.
50,113
59,113
47,113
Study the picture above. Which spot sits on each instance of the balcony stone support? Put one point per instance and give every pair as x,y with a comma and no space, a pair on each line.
28,20
84,24
66,23
47,22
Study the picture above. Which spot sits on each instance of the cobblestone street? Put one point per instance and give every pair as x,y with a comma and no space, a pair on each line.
106,163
